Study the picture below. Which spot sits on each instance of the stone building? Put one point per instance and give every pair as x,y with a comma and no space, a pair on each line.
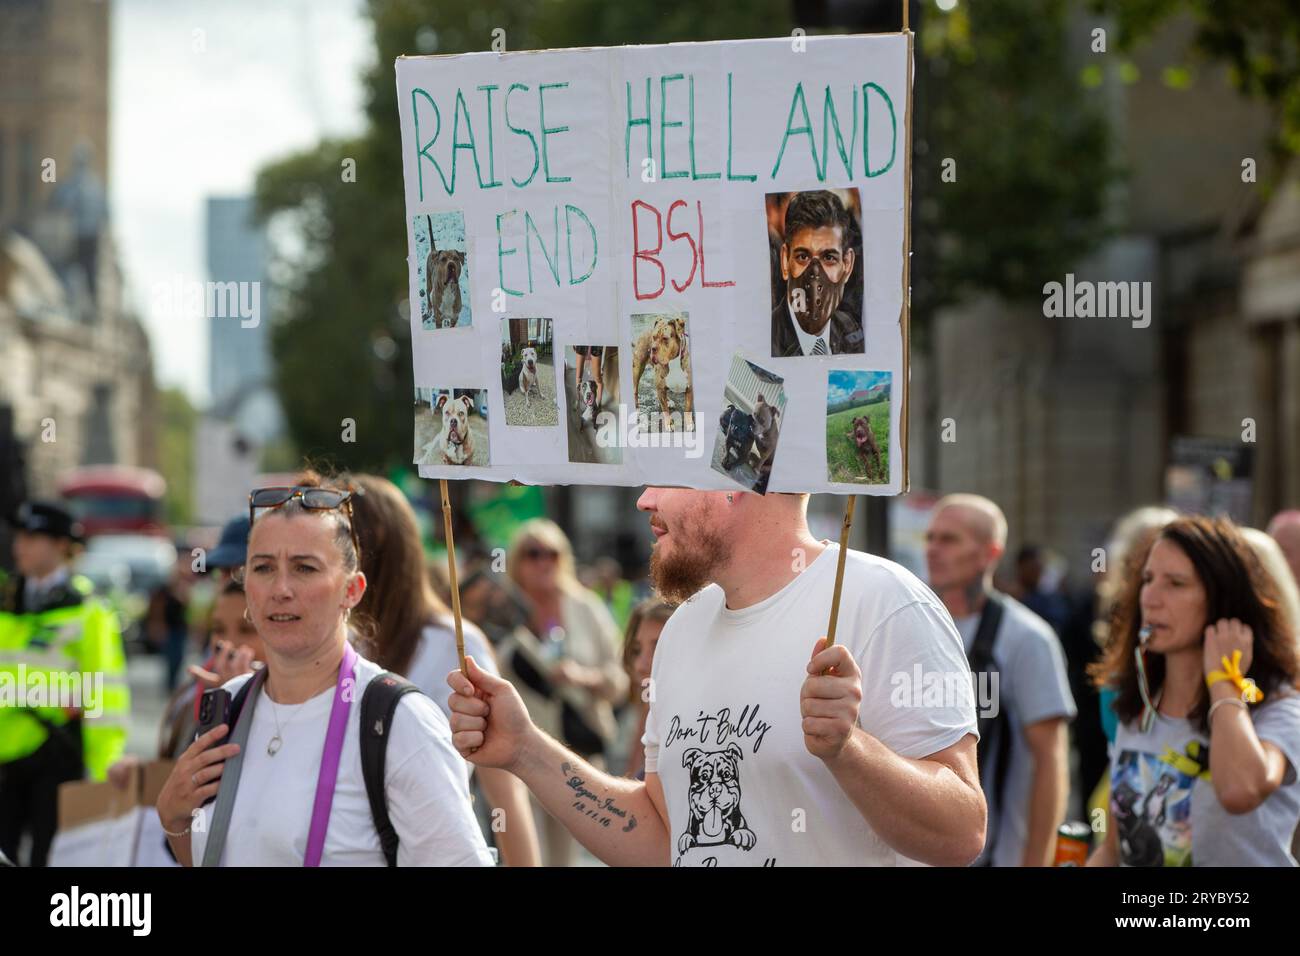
76,374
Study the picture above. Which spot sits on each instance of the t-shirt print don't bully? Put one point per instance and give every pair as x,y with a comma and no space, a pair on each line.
716,818
724,732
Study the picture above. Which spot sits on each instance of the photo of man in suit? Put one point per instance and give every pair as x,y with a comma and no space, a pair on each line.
816,260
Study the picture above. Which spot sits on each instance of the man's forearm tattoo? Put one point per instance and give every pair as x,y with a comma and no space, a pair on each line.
589,803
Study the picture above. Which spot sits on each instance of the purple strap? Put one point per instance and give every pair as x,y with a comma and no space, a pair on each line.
344,691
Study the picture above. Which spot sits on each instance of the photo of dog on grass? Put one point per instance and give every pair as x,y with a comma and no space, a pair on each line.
665,402
753,409
443,268
528,372
857,427
451,426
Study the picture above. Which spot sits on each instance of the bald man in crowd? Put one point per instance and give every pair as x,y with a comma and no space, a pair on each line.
1285,530
1023,691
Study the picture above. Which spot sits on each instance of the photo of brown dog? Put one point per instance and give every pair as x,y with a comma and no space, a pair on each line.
857,426
662,342
443,269
451,427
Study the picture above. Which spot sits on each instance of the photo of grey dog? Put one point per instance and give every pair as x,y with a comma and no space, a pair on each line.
442,276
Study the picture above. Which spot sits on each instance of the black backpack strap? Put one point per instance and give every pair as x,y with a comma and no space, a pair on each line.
994,747
981,651
378,704
237,704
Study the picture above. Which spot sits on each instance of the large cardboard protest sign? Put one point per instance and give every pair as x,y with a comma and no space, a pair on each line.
672,265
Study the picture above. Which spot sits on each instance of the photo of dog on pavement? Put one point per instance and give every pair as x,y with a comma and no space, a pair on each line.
528,372
451,426
667,401
857,427
753,408
591,384
443,269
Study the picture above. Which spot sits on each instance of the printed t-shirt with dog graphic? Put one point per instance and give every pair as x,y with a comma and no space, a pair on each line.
1162,798
724,732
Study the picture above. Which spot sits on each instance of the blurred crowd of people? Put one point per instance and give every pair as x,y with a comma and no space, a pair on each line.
1098,713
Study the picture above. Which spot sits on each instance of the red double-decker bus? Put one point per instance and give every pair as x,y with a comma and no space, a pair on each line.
116,499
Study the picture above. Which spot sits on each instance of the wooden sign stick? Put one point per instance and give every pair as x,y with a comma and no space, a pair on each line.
451,573
839,569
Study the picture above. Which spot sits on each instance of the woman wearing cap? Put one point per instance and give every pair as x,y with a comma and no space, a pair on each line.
299,796
1206,669
235,645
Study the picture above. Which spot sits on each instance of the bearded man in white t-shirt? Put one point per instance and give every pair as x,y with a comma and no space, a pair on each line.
763,746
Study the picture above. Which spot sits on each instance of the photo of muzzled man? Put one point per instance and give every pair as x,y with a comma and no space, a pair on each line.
815,245
451,426
528,372
857,427
591,384
443,268
753,408
665,400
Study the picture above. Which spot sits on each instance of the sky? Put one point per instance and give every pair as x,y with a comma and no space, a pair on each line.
843,384
201,95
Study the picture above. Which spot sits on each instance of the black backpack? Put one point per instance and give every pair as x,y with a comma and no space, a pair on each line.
378,704
995,732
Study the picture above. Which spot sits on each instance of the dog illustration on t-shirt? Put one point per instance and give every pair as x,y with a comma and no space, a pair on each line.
716,819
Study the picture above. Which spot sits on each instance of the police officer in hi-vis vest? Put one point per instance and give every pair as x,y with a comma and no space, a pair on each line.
63,691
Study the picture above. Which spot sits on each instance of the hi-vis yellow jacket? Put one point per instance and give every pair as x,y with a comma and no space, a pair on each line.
58,662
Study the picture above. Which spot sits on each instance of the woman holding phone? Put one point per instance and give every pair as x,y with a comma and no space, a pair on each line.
295,794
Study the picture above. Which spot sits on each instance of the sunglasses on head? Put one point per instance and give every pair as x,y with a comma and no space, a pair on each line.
312,498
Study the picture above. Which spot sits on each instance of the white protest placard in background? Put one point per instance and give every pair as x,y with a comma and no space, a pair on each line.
670,265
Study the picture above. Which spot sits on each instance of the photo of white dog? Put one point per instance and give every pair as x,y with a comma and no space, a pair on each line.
451,427
528,387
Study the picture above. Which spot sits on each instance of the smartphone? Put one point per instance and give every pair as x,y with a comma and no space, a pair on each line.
214,710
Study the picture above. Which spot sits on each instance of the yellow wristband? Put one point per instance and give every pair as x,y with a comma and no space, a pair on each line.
1232,672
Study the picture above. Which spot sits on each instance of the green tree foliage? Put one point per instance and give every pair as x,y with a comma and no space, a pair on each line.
999,95
1259,41
176,454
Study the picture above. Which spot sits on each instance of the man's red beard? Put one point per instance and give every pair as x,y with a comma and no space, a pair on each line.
694,562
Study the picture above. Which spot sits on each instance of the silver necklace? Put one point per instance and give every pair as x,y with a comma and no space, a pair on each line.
276,742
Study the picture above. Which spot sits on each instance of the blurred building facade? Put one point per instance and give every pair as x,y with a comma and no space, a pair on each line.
245,415
76,374
1068,422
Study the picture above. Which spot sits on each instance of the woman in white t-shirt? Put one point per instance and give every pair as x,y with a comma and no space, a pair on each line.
299,796
1206,670
415,637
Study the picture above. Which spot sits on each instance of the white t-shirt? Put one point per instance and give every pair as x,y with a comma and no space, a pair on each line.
724,730
424,778
435,658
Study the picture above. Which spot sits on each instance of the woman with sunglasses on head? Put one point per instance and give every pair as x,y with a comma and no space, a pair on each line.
293,793
415,637
1206,670
571,690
